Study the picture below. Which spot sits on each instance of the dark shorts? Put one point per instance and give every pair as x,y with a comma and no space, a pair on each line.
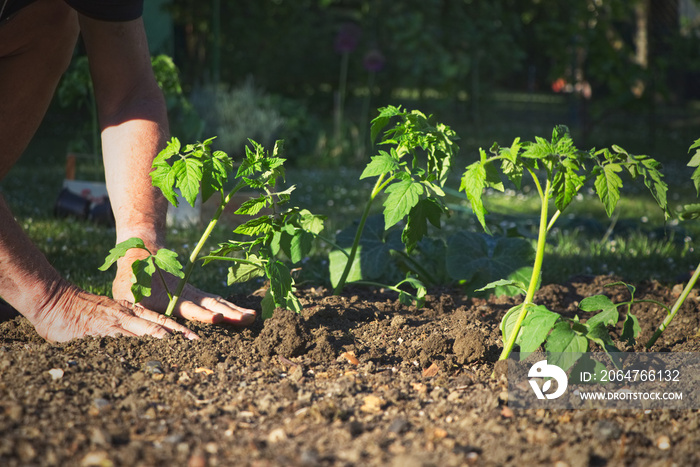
105,10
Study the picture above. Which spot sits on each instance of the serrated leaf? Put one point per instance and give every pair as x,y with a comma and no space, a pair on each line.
259,226
566,185
188,175
163,178
120,250
564,346
167,261
427,210
253,206
695,162
503,283
245,271
472,184
311,223
381,164
607,185
380,121
403,195
536,327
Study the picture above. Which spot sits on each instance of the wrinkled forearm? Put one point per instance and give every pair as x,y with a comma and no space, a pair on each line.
131,138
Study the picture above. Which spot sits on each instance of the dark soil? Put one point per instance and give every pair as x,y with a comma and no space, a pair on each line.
355,380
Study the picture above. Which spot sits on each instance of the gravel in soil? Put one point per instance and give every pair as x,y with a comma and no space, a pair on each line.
356,379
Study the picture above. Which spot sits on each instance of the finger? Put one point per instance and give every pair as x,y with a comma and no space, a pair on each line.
149,322
205,304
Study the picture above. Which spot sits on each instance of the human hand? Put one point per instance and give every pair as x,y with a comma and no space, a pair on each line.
69,312
194,304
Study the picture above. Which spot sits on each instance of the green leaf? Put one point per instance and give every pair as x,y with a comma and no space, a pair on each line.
258,226
630,329
504,283
600,335
143,270
508,323
253,206
245,271
215,171
408,299
473,184
310,222
268,305
479,260
336,265
536,327
120,250
167,261
163,177
607,185
188,174
380,121
608,315
373,259
566,185
427,210
695,162
379,165
565,346
281,281
403,195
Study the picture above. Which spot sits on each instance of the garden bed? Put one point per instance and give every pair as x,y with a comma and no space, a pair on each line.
355,380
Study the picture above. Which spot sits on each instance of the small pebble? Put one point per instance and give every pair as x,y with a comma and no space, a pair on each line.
663,442
56,373
608,430
398,426
472,458
154,367
276,436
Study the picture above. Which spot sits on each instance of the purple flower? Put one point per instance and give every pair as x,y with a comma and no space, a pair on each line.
348,38
373,61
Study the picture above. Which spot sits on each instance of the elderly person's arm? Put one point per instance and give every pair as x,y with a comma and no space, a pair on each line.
132,114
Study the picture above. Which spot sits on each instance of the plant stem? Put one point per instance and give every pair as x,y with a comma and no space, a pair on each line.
356,242
536,270
198,248
676,306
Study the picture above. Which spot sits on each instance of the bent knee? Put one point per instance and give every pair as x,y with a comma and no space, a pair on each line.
45,28
59,24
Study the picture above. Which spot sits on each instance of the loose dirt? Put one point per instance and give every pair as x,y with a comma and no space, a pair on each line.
356,379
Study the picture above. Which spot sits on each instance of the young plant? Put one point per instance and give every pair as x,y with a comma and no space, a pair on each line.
195,170
411,172
689,212
565,170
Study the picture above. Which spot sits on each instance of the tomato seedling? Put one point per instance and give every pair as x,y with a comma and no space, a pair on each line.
196,169
564,170
689,212
412,173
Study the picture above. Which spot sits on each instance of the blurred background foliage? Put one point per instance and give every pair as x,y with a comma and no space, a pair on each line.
313,71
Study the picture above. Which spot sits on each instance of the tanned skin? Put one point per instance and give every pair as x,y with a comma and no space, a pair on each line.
36,46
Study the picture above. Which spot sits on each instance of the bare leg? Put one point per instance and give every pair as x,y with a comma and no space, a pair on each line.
35,49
